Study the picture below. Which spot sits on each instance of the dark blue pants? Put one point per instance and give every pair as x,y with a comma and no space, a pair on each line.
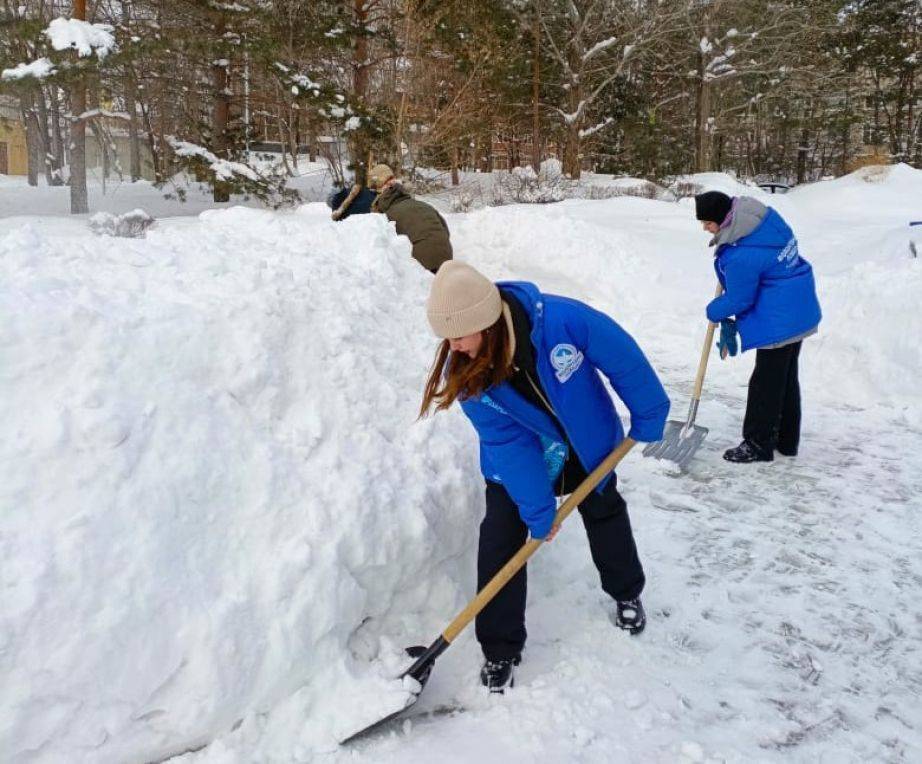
500,626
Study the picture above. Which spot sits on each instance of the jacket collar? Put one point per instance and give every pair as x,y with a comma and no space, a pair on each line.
531,299
748,214
386,199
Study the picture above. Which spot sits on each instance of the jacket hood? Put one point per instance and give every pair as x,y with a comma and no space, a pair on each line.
526,293
387,198
748,214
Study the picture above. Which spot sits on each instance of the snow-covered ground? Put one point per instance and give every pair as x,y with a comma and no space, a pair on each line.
220,519
181,196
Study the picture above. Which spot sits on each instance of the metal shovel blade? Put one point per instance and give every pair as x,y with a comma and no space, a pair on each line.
420,671
679,443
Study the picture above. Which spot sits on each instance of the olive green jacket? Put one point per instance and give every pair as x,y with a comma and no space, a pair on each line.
418,221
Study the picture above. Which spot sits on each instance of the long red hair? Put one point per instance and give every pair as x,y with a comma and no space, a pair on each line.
455,375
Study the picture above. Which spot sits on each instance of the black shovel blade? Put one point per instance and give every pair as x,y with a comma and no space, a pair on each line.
424,660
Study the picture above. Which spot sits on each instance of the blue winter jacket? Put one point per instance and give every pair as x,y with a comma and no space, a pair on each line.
520,445
769,286
361,205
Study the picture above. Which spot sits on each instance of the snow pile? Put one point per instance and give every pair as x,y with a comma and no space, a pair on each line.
721,181
86,38
213,491
873,354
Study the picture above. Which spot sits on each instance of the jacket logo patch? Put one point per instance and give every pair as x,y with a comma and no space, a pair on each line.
789,253
565,359
488,401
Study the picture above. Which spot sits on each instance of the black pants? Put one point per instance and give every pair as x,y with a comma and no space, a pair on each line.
500,625
773,408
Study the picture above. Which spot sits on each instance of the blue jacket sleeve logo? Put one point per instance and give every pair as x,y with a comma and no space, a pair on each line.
789,254
565,359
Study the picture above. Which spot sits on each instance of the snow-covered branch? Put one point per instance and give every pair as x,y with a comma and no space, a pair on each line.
600,46
38,69
82,36
223,169
595,128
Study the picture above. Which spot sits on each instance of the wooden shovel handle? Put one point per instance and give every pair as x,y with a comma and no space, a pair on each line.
531,546
705,352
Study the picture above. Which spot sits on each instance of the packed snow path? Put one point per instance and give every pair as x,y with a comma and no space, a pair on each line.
785,618
784,621
216,500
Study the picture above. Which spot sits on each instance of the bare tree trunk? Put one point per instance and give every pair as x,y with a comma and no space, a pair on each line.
134,138
284,133
455,180
702,117
360,78
295,136
802,155
48,159
536,91
57,135
402,109
131,105
155,156
220,119
34,143
843,165
571,164
78,194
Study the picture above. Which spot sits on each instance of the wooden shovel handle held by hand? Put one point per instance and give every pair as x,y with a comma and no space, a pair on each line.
706,351
531,546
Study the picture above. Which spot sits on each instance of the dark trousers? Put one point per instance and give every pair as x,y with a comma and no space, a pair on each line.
500,625
773,408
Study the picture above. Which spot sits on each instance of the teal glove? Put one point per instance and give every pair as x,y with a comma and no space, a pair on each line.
727,342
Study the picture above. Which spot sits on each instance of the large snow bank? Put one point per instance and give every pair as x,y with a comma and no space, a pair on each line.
213,491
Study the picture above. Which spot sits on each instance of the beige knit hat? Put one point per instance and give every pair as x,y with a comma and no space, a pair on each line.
379,175
462,301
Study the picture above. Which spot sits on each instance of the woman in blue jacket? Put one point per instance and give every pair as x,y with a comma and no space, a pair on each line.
769,289
525,367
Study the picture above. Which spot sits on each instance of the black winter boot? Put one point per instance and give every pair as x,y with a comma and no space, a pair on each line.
746,452
496,676
631,616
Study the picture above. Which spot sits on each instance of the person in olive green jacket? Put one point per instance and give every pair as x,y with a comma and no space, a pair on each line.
418,221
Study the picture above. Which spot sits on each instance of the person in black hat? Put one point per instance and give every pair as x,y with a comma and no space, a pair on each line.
770,300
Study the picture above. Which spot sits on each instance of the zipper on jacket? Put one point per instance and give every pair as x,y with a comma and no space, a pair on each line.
533,338
563,470
544,400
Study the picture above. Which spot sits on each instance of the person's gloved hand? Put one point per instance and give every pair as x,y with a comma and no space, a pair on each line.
727,342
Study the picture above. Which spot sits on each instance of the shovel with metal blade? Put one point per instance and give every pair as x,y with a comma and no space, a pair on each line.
682,439
425,656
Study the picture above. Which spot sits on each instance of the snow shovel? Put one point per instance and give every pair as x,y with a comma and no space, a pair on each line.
682,439
425,656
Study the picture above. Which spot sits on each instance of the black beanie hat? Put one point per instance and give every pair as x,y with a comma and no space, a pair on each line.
713,206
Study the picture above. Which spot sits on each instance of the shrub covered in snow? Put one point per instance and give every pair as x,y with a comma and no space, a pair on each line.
131,225
522,185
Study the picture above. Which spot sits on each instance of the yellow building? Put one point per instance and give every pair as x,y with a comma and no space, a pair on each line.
14,156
